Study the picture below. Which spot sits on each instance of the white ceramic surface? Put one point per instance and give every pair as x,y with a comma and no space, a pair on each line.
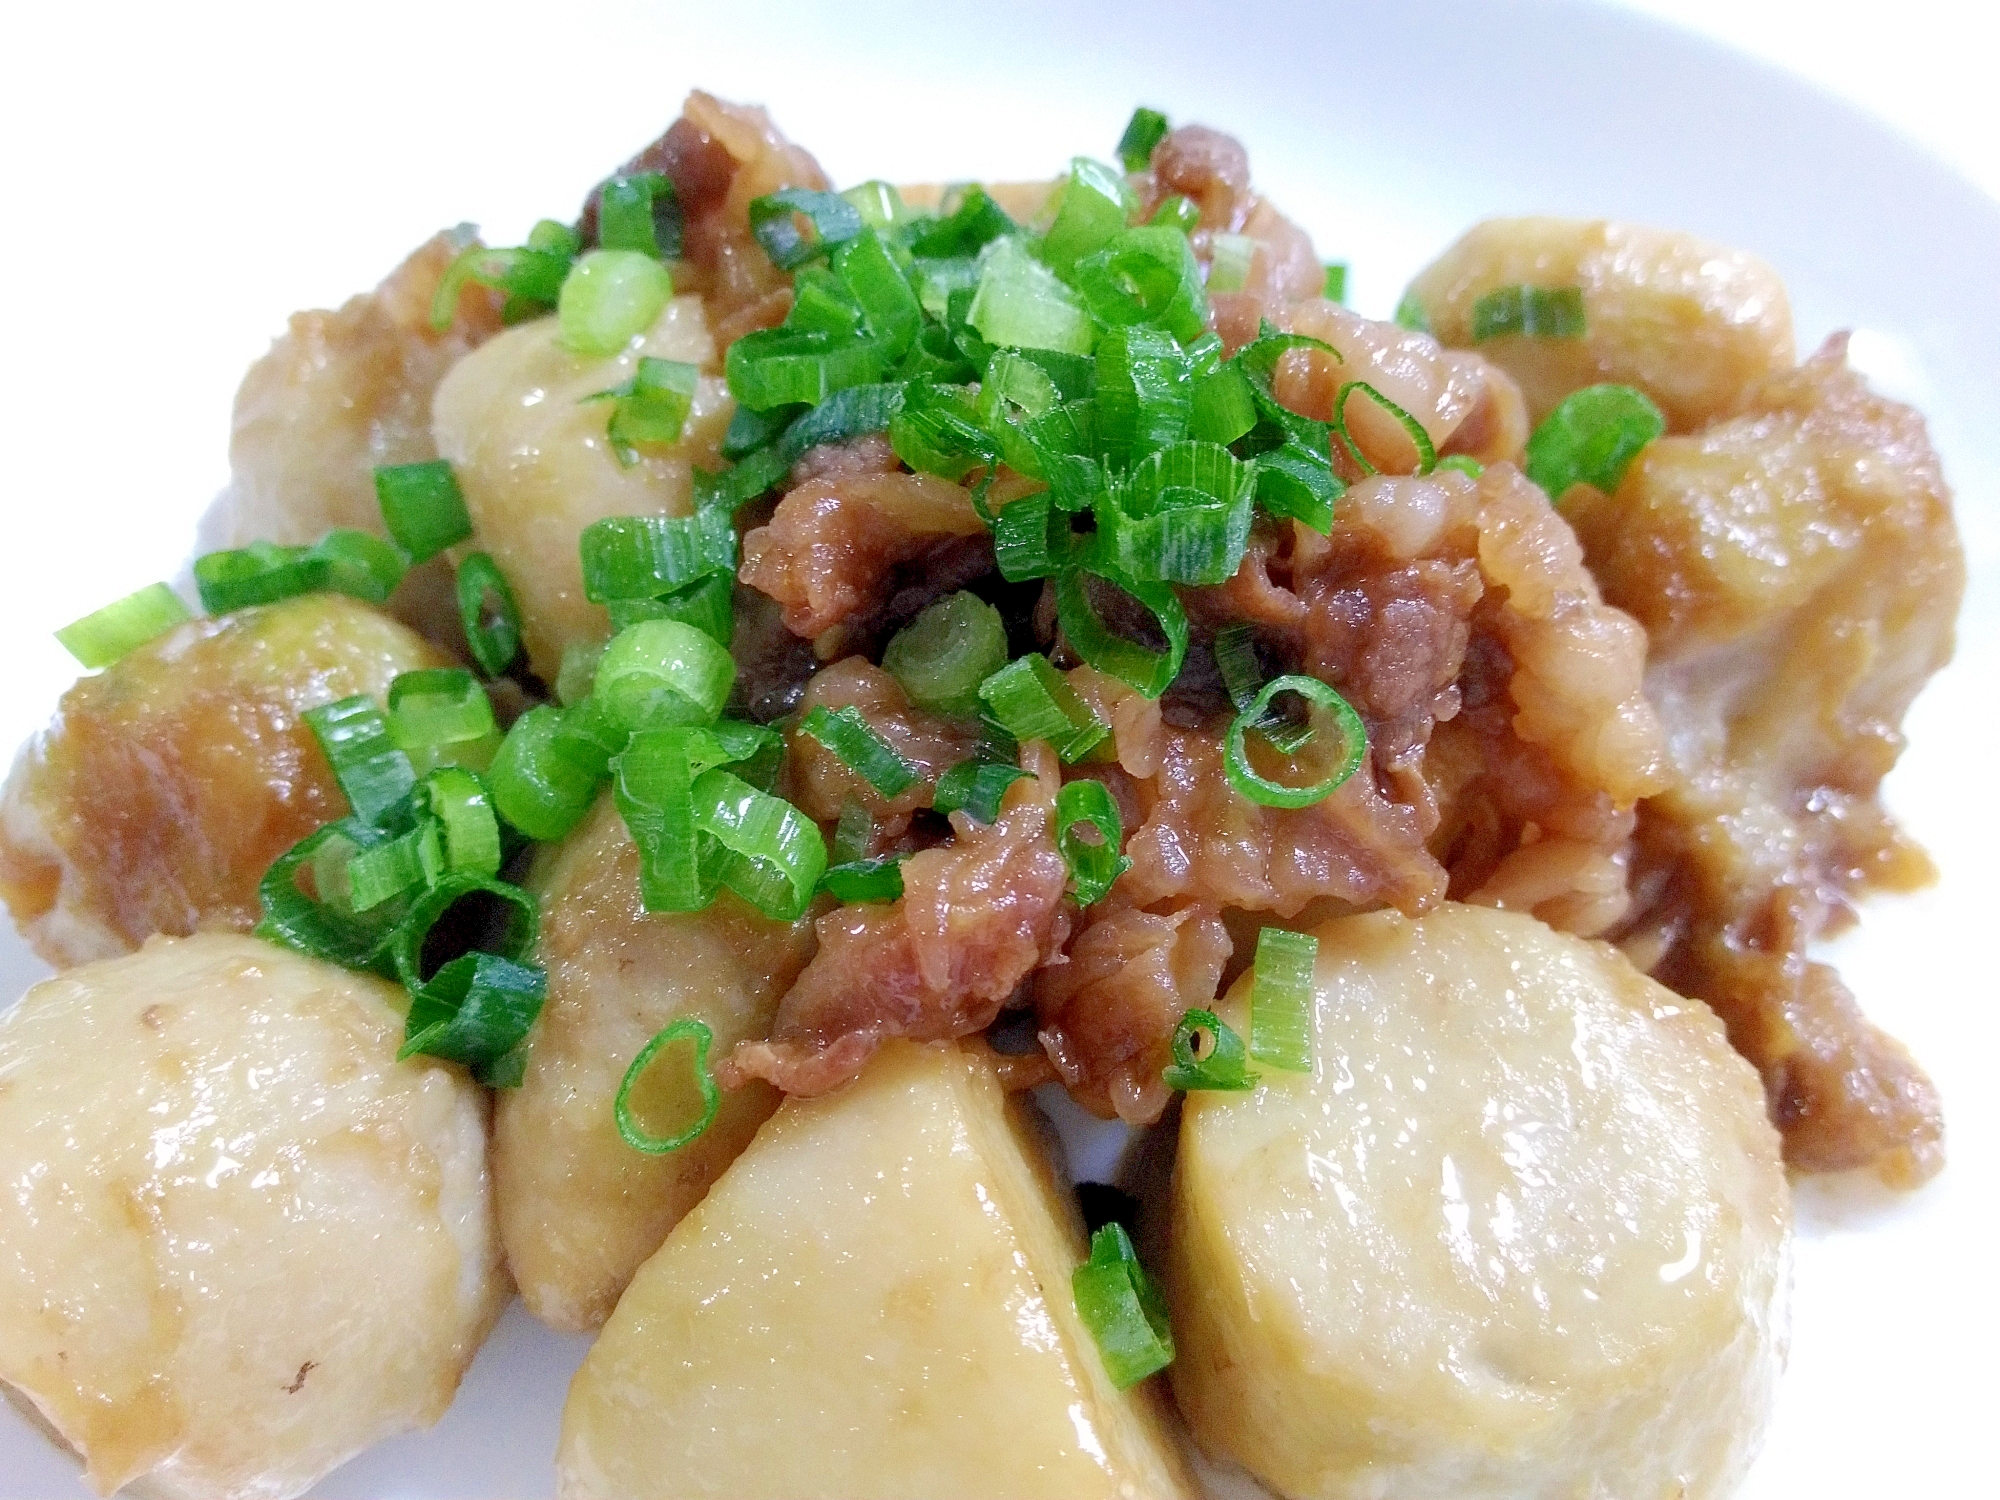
180,178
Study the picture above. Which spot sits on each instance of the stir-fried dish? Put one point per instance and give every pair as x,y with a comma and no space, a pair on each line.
695,720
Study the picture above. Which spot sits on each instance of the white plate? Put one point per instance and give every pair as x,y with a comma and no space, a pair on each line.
179,182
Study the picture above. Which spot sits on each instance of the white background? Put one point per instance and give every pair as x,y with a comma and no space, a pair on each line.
178,178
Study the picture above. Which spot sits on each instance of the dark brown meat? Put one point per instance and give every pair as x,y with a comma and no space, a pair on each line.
1108,1010
977,916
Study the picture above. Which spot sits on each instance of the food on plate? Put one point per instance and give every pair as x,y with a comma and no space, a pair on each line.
875,1300
244,1242
1521,1231
580,1210
169,782
874,653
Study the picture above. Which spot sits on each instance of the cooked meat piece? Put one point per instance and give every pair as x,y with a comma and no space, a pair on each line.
976,916
1798,572
1692,324
721,258
1108,1009
821,782
337,395
535,460
244,1242
580,1210
168,782
832,543
1503,708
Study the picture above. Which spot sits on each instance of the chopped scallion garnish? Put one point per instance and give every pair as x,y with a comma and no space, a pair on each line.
644,557
860,748
543,779
1592,438
863,881
373,773
104,635
1544,312
1230,258
1335,287
629,211
1332,713
660,673
423,507
651,407
609,298
625,1109
1031,700
477,1010
441,715
796,224
1094,859
975,787
1123,1309
1207,1055
942,656
488,613
1419,438
1143,132
1411,313
1281,998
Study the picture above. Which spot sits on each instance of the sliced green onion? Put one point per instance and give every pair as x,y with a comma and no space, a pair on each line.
654,787
373,773
544,780
578,671
869,272
488,613
699,1039
1182,515
796,224
1031,700
361,564
1335,287
1207,1055
1094,205
1131,662
1223,408
327,926
790,366
659,673
441,716
1145,393
505,912
1094,864
1281,992
261,573
1537,312
878,203
1123,1309
104,635
422,507
458,800
857,745
1242,676
971,223
1249,782
707,604
1426,451
942,656
853,834
1298,483
975,787
864,881
531,277
1146,275
1143,133
1178,212
1021,303
938,432
651,407
628,213
1592,438
1410,314
396,868
477,1010
758,845
609,298
643,557
1231,257
822,304
750,430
